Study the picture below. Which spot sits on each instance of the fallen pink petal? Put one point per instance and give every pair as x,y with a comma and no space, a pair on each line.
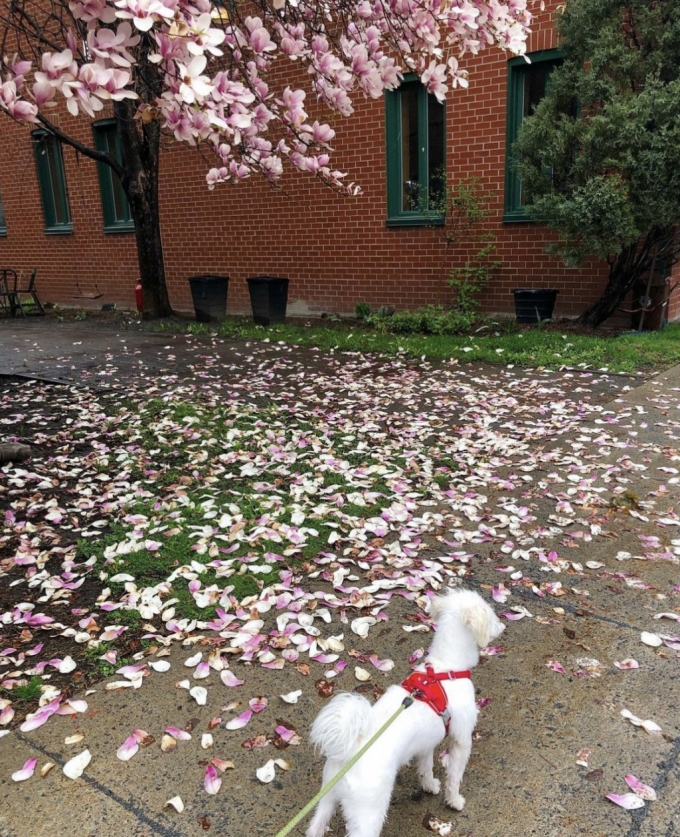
640,788
240,721
128,748
212,782
26,771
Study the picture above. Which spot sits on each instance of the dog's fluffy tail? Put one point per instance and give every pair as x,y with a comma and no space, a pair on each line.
340,724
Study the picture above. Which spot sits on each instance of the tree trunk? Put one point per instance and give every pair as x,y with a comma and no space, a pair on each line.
619,284
632,263
140,150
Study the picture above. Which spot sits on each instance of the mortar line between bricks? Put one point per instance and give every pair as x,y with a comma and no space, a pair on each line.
141,817
641,815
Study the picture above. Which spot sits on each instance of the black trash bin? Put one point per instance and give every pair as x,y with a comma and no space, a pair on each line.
209,294
533,306
269,298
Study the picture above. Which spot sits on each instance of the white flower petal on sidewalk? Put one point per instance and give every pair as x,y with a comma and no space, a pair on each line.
653,640
159,665
45,769
266,773
628,664
291,697
175,803
361,673
206,741
629,801
194,660
651,727
582,756
74,739
199,694
74,768
230,679
361,625
26,771
67,665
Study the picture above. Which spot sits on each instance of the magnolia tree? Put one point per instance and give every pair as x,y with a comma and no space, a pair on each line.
206,75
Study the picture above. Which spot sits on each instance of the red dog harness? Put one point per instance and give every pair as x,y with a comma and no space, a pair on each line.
426,686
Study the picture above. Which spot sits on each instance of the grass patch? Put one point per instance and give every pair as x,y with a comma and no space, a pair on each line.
502,343
25,694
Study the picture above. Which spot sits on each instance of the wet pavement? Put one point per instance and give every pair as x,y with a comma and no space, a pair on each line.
522,778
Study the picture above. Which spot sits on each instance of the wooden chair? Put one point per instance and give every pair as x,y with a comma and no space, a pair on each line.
26,289
8,280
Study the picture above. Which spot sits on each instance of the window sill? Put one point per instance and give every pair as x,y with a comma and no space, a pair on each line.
3,232
517,216
65,229
119,228
415,221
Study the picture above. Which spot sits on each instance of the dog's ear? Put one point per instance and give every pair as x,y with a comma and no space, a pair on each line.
482,622
439,604
436,607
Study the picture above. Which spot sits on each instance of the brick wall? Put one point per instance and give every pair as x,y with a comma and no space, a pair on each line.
336,251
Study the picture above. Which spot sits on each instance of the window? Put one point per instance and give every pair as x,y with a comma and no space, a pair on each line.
416,172
52,183
115,206
3,222
527,85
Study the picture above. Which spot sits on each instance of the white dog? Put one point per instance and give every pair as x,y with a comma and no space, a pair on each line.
465,623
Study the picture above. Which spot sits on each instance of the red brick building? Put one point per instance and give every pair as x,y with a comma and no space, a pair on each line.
336,251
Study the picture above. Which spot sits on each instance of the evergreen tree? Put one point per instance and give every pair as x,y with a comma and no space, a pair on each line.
600,157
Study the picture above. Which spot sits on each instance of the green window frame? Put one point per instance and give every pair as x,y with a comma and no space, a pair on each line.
411,107
50,165
115,206
3,220
520,75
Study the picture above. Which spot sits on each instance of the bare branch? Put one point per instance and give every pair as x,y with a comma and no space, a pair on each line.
85,150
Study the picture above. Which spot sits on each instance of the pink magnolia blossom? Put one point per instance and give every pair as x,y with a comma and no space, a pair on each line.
231,106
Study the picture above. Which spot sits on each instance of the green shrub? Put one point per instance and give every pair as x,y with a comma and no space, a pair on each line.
432,319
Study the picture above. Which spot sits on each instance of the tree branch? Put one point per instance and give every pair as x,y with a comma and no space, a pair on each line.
85,150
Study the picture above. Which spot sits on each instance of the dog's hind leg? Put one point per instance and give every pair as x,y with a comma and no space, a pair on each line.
322,816
424,767
459,753
367,821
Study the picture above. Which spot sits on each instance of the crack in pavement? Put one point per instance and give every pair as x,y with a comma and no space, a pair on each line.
641,815
131,808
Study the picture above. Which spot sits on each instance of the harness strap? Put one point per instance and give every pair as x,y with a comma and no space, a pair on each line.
426,687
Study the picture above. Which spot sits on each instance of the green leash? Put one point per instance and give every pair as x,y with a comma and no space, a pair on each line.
350,764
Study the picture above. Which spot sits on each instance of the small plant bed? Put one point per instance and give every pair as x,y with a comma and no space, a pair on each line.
550,346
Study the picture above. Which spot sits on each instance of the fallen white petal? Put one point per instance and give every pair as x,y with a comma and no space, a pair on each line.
629,801
653,640
291,697
199,694
74,767
266,773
